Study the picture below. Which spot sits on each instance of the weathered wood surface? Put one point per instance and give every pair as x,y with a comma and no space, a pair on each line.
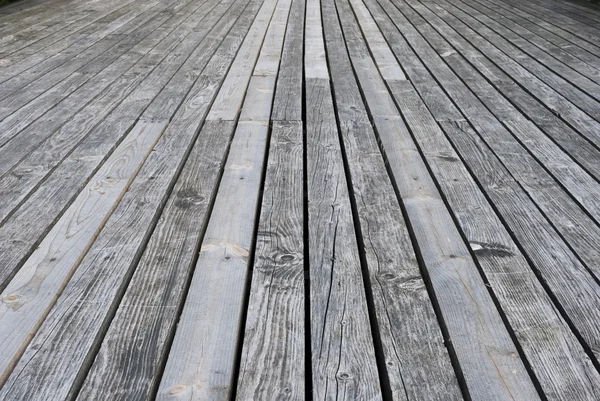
411,338
451,269
299,199
213,311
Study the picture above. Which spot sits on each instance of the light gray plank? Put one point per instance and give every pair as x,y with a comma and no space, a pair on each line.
120,241
211,317
150,307
522,216
272,359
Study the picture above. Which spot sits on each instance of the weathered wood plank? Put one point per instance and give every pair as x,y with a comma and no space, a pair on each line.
229,100
417,364
584,33
37,97
314,48
32,292
272,359
211,317
20,231
522,216
525,38
343,355
483,346
542,332
571,39
385,60
89,298
569,48
555,202
548,86
150,307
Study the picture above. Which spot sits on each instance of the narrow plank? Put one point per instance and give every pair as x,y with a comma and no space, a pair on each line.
386,62
32,292
417,364
560,31
521,36
563,208
585,33
343,356
485,352
39,21
137,340
46,91
542,332
229,100
523,68
211,319
123,70
103,25
272,359
150,307
513,15
565,71
287,104
314,49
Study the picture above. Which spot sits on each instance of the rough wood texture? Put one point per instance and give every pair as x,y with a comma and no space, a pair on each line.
472,320
343,355
350,199
213,310
31,293
271,366
412,341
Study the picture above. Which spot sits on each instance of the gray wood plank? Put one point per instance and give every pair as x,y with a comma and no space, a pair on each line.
120,241
517,17
287,104
524,218
555,202
522,36
559,31
343,355
584,32
42,94
21,233
524,69
417,364
272,359
459,289
34,168
212,318
554,353
32,292
149,310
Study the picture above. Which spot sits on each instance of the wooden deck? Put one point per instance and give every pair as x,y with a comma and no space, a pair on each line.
299,200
